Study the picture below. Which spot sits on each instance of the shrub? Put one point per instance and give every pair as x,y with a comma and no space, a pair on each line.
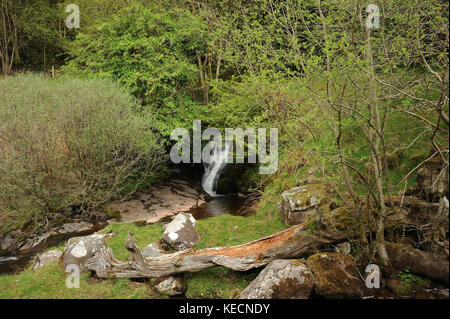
69,143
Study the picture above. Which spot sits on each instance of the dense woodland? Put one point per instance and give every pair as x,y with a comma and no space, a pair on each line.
86,115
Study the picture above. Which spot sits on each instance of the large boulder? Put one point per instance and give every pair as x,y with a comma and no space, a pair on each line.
336,275
301,202
172,286
80,249
180,233
281,279
46,258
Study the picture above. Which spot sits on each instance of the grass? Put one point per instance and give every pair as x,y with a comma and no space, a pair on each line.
225,230
50,282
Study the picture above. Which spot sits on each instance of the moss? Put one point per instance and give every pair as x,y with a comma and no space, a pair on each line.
112,213
313,225
336,275
341,219
289,288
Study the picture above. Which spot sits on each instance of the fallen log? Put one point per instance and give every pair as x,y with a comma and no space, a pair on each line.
419,262
290,243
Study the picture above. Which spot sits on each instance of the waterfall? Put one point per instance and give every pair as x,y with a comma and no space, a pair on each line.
213,169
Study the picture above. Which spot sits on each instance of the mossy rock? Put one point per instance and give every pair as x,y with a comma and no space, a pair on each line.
341,219
336,275
300,203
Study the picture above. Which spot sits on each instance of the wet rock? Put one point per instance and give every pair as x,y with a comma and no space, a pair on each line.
131,211
336,275
80,249
173,285
77,227
11,241
301,202
64,230
46,258
399,288
281,279
37,241
19,240
407,288
180,233
157,203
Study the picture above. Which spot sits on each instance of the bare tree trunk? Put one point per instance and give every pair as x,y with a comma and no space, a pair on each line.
9,44
374,141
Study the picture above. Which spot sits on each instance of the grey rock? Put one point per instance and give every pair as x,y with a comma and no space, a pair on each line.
80,249
281,279
180,233
173,285
46,258
301,202
11,240
65,229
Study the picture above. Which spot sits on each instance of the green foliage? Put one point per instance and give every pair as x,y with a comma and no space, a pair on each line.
151,51
409,282
407,277
69,143
33,37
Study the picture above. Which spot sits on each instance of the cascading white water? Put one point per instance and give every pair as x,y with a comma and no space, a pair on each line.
214,168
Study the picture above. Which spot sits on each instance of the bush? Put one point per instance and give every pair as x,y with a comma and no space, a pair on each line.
69,143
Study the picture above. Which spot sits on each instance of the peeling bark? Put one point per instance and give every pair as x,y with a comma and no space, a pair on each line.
289,243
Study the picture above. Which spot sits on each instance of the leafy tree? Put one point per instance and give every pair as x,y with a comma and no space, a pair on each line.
31,33
151,51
